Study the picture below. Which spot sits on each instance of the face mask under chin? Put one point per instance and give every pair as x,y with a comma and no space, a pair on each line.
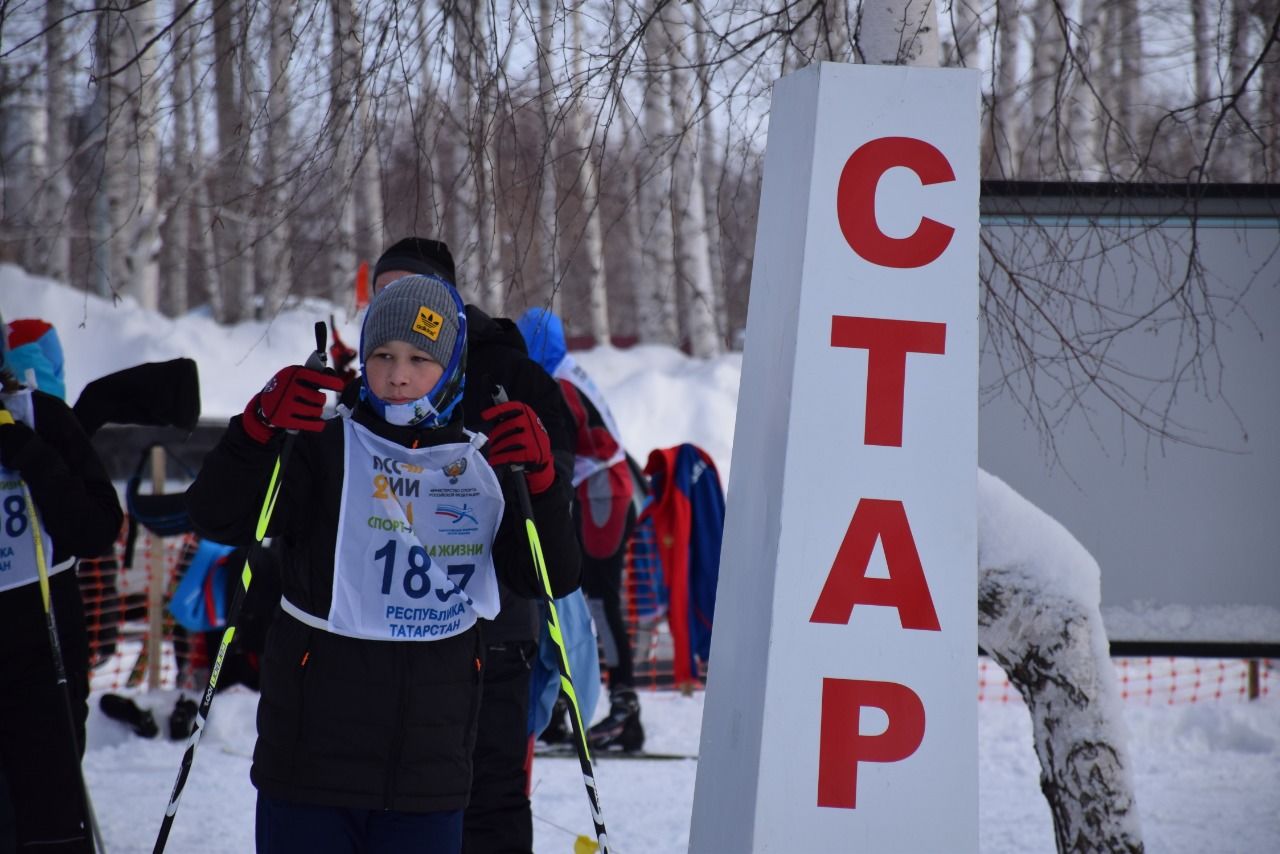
406,414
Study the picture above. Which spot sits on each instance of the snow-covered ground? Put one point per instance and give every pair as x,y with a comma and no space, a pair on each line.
1207,774
1208,780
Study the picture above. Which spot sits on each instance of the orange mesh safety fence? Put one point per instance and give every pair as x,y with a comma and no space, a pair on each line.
1163,681
116,597
116,613
1141,680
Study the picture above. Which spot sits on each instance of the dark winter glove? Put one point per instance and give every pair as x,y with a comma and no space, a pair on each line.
518,438
291,400
15,438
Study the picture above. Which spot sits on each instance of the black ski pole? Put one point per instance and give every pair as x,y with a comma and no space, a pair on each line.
317,361
55,646
562,657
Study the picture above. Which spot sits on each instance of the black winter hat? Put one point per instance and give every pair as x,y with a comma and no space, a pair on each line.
418,255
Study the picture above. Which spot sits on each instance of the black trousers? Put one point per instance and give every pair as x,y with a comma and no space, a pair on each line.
602,580
499,819
38,761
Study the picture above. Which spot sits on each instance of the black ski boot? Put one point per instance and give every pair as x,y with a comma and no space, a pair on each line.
558,730
183,719
127,711
621,730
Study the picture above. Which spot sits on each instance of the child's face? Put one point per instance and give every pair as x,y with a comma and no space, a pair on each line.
399,372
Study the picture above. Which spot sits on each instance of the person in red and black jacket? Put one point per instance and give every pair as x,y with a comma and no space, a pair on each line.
395,533
605,514
44,449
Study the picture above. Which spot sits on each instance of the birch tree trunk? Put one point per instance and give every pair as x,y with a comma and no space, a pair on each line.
277,239
1267,167
1203,59
837,27
1129,85
626,163
227,199
178,245
100,204
198,175
485,144
712,169
133,157
24,136
547,207
1235,160
1005,130
1049,638
588,182
466,190
371,225
655,290
900,32
256,203
1087,113
1041,158
54,242
344,70
967,31
688,209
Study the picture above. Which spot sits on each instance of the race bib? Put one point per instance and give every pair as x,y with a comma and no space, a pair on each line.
18,531
414,553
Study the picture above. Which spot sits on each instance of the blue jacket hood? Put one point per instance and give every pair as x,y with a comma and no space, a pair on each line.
544,335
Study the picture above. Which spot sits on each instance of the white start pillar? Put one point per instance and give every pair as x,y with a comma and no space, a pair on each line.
841,702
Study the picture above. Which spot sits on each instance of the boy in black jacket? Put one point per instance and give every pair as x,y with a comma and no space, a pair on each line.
499,819
395,531
43,449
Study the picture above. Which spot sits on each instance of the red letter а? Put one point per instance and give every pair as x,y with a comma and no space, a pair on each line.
905,588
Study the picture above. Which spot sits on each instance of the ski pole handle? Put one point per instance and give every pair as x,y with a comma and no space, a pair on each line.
319,359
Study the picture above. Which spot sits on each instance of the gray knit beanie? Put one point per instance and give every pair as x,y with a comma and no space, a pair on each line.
422,310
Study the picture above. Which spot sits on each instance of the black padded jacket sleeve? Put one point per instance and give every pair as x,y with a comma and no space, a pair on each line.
226,497
76,499
553,519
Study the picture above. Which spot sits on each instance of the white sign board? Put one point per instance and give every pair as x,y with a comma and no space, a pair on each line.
841,708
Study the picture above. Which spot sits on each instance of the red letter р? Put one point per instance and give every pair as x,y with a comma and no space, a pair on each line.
856,202
847,584
841,747
887,343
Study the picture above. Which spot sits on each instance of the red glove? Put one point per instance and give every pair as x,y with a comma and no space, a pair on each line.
518,438
341,356
291,400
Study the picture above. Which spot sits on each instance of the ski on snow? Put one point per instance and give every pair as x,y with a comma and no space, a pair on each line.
567,753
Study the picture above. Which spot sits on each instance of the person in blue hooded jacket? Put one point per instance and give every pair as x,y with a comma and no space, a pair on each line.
604,515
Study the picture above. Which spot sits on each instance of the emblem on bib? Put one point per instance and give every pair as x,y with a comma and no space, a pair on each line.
455,469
